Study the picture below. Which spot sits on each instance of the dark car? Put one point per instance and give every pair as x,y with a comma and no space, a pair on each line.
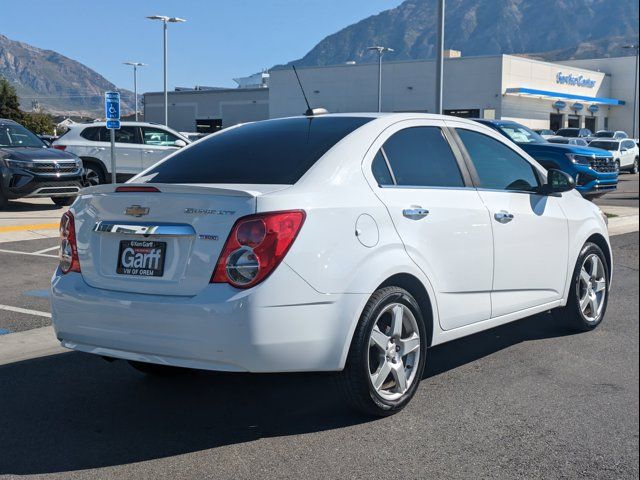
574,132
29,169
593,169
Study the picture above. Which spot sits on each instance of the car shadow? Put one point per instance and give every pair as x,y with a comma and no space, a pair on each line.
74,411
17,206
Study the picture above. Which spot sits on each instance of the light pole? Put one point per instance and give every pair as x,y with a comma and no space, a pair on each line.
165,21
440,57
635,93
381,51
135,66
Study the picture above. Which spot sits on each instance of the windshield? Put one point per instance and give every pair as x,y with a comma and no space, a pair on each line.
604,145
604,134
568,132
520,133
272,152
14,135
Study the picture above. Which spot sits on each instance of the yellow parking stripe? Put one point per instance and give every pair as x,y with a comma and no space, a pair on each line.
21,228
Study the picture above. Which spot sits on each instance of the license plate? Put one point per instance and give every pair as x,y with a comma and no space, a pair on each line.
141,258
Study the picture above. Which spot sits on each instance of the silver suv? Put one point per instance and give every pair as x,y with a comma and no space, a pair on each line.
139,145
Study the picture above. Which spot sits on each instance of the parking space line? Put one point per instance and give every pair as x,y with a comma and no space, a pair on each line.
47,250
28,253
27,311
37,226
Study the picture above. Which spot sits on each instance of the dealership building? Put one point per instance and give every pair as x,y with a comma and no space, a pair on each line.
595,94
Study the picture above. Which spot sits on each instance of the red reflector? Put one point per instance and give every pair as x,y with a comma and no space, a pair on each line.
137,189
60,147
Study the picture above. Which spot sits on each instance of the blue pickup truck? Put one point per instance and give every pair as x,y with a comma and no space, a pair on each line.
594,170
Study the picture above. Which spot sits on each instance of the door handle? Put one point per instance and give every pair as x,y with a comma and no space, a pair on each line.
503,216
415,213
101,149
148,151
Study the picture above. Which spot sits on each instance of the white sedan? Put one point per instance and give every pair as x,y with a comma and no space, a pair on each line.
350,243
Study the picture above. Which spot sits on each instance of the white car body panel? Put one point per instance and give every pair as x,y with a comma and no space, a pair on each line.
476,273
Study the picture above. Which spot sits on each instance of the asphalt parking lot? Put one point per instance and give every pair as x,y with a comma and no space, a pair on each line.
525,400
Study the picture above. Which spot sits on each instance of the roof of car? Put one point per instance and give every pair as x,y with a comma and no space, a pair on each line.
125,124
8,120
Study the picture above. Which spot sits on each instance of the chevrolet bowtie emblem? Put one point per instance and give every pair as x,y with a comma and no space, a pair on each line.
136,211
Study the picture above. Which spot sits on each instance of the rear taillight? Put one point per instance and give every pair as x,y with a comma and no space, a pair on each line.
68,255
256,246
60,147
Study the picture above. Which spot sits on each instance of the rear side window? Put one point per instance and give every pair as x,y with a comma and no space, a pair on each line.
92,134
268,152
498,166
422,157
381,170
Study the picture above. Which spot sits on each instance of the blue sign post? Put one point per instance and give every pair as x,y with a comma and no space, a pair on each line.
112,115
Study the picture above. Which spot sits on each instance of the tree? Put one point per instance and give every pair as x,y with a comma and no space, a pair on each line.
9,103
39,123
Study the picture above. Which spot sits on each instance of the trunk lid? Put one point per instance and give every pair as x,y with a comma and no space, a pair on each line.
121,234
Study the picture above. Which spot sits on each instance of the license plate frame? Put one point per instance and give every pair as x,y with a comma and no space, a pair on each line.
141,258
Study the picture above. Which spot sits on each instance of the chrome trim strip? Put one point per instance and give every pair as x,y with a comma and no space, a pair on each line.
51,192
145,229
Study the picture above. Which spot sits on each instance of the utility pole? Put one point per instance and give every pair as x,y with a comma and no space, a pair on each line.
635,93
166,20
135,66
440,57
381,51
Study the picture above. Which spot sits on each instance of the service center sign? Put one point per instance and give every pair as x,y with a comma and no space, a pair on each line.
575,80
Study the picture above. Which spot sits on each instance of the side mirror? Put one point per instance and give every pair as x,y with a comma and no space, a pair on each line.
179,143
558,182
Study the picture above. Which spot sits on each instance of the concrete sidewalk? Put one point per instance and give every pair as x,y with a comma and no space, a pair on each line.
622,219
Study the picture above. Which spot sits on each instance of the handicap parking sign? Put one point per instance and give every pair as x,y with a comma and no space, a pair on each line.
112,108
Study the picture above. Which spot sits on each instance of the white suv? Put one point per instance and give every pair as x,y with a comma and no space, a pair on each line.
138,145
347,243
625,152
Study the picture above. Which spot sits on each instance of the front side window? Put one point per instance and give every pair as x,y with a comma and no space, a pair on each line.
271,152
498,166
158,137
421,157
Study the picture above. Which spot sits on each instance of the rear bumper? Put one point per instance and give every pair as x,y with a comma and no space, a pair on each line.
282,325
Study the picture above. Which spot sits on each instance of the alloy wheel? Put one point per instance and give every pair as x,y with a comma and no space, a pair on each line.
592,288
394,351
93,177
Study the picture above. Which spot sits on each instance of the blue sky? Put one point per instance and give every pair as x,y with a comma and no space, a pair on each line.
222,39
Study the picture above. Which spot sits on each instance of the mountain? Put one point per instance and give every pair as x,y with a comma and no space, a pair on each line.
60,85
550,29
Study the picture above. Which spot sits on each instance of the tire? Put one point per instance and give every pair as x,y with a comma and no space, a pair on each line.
63,201
618,166
156,370
368,363
95,174
634,167
583,317
3,200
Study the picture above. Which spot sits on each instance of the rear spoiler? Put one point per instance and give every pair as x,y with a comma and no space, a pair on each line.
148,188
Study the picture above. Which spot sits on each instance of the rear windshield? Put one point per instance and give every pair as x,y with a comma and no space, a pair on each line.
604,145
269,152
604,134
